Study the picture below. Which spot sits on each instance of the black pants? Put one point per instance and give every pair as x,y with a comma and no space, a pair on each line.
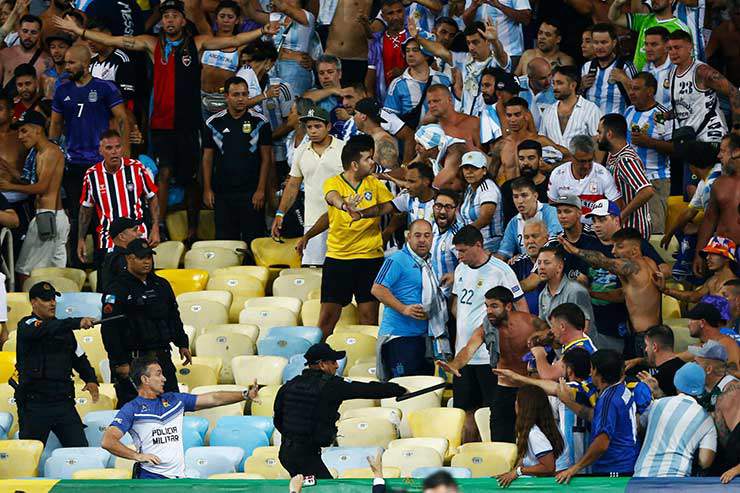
236,219
72,183
37,418
125,388
503,414
302,458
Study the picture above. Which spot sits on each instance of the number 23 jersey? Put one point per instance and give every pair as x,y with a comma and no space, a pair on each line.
698,108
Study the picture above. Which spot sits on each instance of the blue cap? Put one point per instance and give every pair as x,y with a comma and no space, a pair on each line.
603,208
710,350
474,158
690,379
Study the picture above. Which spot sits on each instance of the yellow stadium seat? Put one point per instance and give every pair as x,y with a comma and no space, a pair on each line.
196,375
92,277
92,342
316,271
408,459
207,224
389,414
232,245
276,255
296,285
225,345
223,297
681,337
236,475
215,413
241,286
7,365
102,474
424,401
483,422
184,280
371,330
665,253
446,422
84,402
311,309
506,450
670,307
288,302
267,401
267,317
77,275
267,467
19,306
362,370
210,259
10,343
202,313
366,472
249,330
169,254
257,271
365,432
264,452
351,404
482,464
8,405
314,294
177,225
61,284
439,444
676,206
268,370
19,458
355,344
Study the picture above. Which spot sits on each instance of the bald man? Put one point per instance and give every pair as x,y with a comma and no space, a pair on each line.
83,108
548,47
536,87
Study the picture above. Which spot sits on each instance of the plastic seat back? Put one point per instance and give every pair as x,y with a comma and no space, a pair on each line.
291,303
267,467
221,296
365,432
409,459
273,254
224,345
439,422
297,285
238,434
342,458
184,280
483,422
285,346
482,463
201,462
202,313
215,413
61,284
266,318
455,472
356,345
169,254
311,334
210,259
78,276
72,305
267,370
19,458
19,306
101,474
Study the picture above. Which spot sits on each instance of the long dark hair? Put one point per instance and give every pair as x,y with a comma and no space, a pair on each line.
533,408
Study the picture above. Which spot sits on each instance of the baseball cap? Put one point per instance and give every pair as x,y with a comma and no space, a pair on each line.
120,224
506,81
316,113
720,246
710,350
140,248
60,36
44,291
369,107
429,136
603,208
690,379
705,311
172,5
474,158
322,352
424,51
29,117
572,200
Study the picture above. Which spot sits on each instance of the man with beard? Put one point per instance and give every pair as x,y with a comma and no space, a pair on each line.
505,333
445,31
29,97
572,114
386,50
531,165
444,256
658,63
547,47
536,88
28,51
53,77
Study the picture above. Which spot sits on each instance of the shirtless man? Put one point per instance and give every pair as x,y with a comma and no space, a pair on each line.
454,124
505,332
12,152
367,118
30,42
348,38
443,152
548,47
45,243
635,272
725,40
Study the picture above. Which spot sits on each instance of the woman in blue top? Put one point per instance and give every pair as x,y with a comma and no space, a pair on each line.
480,206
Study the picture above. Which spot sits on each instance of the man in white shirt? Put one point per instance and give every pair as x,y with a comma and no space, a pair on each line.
508,16
571,115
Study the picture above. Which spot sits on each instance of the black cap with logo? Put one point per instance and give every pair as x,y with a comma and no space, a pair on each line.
29,117
322,352
44,291
121,224
172,5
140,248
369,107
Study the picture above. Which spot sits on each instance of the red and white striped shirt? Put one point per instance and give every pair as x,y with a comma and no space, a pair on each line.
629,175
118,194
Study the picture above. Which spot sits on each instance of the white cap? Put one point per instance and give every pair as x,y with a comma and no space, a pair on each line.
474,158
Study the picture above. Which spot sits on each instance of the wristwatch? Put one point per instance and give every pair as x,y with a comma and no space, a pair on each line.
245,394
519,471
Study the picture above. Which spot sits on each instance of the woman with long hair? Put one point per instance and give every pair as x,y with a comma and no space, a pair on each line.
539,442
482,199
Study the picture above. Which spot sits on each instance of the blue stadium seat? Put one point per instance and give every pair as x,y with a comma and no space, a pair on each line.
201,462
341,458
65,461
455,472
71,305
97,422
264,423
52,443
6,423
297,363
191,438
239,434
311,334
285,346
197,423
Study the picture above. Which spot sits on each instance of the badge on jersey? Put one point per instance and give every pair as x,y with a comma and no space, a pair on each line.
108,309
110,298
186,60
92,96
480,283
165,403
368,195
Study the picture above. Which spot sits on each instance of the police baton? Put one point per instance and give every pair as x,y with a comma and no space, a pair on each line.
108,319
423,391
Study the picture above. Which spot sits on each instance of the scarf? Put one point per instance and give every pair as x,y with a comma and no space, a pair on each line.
471,82
169,46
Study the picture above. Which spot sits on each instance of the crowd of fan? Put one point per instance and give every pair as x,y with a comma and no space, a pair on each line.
529,151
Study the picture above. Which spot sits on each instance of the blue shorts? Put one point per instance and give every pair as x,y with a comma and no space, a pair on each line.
141,473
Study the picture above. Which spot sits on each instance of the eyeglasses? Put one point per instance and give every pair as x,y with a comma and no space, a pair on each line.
447,207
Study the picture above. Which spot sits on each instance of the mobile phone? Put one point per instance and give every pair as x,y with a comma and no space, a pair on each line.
309,481
592,71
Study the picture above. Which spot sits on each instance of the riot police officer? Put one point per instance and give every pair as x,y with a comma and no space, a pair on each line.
122,231
306,409
47,352
152,321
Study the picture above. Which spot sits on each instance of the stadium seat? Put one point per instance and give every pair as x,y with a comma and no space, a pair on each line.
198,424
199,373
424,401
8,405
389,414
275,255
262,423
223,297
103,473
441,445
242,288
271,451
262,274
665,253
291,303
311,334
65,461
439,422
92,278
285,346
297,285
72,305
19,458
267,466
357,346
365,432
266,318
215,413
249,330
225,345
169,254
201,313
96,422
267,401
184,280
19,306
316,271
7,365
343,458
91,341
6,423
371,330
201,462
311,309
483,463
363,369
177,225
483,422
295,367
670,307
236,475
314,294
240,434
77,275
210,259
366,472
506,450
267,370
455,472
408,459
681,336
232,245
61,284
84,402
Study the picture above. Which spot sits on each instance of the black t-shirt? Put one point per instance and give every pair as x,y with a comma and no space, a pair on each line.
117,68
664,375
508,201
122,17
236,150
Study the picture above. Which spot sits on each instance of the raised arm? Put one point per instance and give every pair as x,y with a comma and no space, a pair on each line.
710,78
615,14
295,13
491,34
134,43
252,10
621,267
20,8
519,16
431,46
206,42
215,399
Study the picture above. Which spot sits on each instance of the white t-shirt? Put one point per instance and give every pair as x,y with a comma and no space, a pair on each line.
470,287
597,185
537,446
584,120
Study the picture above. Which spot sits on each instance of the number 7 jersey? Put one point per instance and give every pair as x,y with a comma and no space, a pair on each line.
694,107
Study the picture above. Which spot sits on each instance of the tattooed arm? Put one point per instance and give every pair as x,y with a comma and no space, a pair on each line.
709,78
143,42
386,154
618,266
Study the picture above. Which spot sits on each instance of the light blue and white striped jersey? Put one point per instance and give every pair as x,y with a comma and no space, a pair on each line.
486,193
295,36
603,94
694,18
277,110
443,253
431,136
509,32
327,9
471,71
490,124
414,207
677,427
657,164
700,200
537,103
662,75
422,15
404,92
513,241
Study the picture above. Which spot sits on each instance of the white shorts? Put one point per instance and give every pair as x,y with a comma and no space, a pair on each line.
315,251
36,253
